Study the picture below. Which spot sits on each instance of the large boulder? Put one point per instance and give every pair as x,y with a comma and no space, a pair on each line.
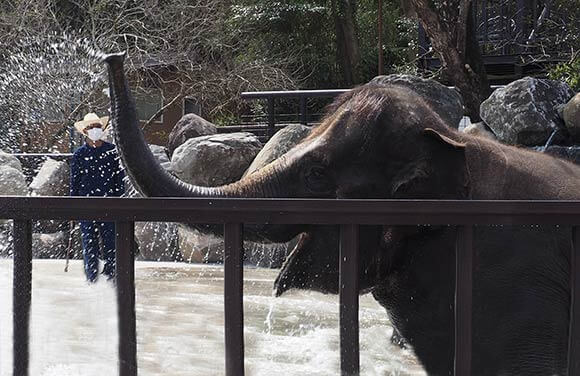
53,179
57,245
215,160
525,111
157,241
189,126
12,181
278,145
571,116
447,102
10,160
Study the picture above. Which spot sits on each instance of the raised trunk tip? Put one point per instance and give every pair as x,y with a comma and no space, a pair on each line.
117,57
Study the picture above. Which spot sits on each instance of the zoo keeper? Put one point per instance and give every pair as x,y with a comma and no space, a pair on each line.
95,171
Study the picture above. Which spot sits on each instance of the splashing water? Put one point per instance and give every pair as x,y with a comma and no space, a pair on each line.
48,80
179,310
270,316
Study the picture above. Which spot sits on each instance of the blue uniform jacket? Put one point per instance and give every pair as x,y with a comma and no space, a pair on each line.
96,171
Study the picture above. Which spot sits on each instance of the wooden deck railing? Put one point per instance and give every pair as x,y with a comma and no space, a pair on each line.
233,213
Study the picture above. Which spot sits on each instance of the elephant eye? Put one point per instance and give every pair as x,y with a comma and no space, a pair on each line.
317,180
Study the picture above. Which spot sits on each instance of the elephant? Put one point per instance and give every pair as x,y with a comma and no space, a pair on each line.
384,142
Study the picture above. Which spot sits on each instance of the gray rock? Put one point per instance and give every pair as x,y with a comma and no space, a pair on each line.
525,111
189,126
12,182
571,116
9,160
447,102
278,145
56,245
215,160
157,241
53,179
479,129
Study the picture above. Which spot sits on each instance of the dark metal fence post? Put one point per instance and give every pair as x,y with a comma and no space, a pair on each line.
463,299
303,111
574,332
233,296
348,283
21,295
125,274
271,118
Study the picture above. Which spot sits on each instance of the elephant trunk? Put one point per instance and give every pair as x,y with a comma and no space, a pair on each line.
149,177
152,180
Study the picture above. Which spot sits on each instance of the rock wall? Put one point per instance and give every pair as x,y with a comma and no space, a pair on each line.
525,112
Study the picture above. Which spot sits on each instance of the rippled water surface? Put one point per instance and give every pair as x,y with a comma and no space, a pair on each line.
180,325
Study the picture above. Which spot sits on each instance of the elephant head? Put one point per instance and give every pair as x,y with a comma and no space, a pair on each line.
361,149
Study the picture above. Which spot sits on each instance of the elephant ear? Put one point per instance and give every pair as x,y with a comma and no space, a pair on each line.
444,140
313,263
440,173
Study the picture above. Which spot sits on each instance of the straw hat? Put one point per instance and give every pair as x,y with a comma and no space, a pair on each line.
89,119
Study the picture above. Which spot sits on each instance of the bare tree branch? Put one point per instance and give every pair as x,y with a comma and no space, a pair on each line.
464,12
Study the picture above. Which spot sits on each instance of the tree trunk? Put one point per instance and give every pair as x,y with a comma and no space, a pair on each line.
476,71
348,55
459,53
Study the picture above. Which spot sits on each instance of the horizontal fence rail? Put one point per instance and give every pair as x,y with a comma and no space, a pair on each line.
234,213
302,95
292,211
293,94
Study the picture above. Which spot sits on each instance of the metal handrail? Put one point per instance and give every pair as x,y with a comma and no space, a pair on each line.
293,211
302,95
293,93
233,213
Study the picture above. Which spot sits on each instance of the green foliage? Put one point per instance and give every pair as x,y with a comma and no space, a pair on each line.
568,72
303,32
297,31
399,38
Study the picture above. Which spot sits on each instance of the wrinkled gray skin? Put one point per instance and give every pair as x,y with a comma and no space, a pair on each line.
385,142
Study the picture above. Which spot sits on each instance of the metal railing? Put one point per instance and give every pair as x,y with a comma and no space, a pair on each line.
233,213
272,126
302,95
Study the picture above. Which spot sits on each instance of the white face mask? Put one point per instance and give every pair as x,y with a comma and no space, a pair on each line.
95,134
